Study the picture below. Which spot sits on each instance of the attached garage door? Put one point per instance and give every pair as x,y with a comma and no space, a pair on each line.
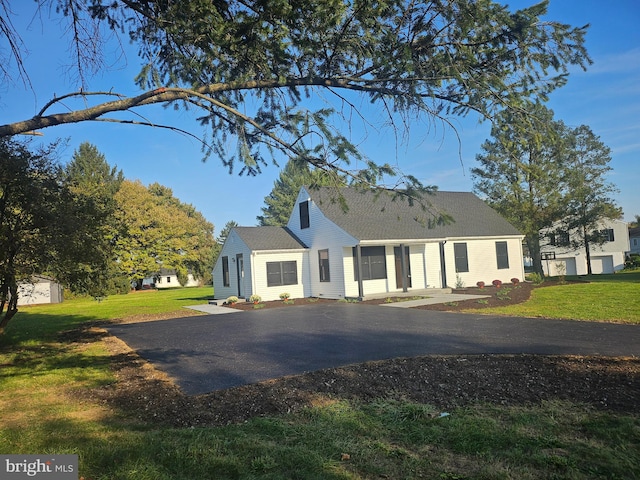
562,266
603,264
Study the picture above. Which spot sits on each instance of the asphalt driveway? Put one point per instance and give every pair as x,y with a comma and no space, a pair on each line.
213,352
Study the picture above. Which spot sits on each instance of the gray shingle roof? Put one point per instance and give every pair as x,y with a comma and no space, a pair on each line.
269,238
382,218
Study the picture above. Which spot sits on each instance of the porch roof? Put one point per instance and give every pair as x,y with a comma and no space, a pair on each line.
269,238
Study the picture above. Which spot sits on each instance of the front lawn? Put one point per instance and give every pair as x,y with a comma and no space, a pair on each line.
606,298
62,391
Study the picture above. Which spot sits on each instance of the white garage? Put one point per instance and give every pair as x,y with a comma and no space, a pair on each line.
560,266
602,264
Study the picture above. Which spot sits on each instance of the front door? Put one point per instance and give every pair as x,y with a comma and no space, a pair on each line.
399,272
240,267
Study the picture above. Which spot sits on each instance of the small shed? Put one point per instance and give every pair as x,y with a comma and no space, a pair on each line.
40,290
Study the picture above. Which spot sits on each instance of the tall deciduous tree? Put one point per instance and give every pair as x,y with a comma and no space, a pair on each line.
522,171
250,67
588,197
280,201
158,231
93,184
33,218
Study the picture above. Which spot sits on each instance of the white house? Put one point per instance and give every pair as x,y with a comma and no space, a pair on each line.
560,257
376,245
167,278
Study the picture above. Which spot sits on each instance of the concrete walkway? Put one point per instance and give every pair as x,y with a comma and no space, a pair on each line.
213,309
433,299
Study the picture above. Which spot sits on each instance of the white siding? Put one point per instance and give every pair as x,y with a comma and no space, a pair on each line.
259,262
483,262
171,281
609,256
35,293
232,248
322,234
433,268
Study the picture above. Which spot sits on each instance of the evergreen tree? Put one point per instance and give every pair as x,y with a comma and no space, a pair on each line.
521,172
93,183
250,67
588,197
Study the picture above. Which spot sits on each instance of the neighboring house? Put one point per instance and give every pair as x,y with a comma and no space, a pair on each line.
167,278
559,257
634,240
377,246
41,289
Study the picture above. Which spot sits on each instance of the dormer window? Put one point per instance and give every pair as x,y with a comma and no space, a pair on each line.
304,214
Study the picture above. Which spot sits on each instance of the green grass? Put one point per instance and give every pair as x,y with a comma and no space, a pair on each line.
608,298
43,378
40,322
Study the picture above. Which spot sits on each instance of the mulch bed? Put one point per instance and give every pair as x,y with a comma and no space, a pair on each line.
505,295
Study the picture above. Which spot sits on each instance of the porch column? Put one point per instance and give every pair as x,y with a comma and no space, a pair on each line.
443,266
403,264
359,267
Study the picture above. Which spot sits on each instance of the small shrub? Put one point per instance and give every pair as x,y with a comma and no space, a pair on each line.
632,262
312,299
503,294
285,296
497,283
515,281
480,284
459,282
536,278
255,299
231,300
257,306
289,302
483,301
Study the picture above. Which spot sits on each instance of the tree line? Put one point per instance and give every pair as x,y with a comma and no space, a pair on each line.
88,227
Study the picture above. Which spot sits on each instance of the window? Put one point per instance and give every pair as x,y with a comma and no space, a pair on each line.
304,214
502,254
374,265
225,271
168,279
282,273
607,235
323,259
559,239
460,254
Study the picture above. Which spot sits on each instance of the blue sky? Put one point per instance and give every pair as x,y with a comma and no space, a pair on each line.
606,98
